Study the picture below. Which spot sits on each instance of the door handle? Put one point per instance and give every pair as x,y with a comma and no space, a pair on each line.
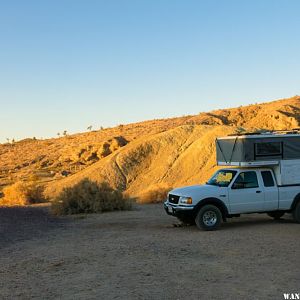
257,192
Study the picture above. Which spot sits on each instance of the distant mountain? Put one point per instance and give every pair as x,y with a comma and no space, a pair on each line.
141,156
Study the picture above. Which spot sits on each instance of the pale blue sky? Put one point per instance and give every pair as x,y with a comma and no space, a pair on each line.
66,64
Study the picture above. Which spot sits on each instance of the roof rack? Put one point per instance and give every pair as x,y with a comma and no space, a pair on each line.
291,131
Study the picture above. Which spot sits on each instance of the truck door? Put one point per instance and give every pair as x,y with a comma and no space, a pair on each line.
270,191
245,194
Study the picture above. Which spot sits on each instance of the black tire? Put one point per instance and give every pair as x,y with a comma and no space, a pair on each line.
186,220
296,213
276,215
208,218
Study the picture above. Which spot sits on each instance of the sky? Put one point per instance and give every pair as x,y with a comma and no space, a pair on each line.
69,64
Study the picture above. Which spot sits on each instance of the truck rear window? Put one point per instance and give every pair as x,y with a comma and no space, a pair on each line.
267,178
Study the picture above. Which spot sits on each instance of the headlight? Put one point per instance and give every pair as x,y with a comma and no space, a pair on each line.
185,200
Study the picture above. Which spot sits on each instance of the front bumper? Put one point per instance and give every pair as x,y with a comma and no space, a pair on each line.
178,210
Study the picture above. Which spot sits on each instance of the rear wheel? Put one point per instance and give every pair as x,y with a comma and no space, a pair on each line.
296,213
276,215
209,217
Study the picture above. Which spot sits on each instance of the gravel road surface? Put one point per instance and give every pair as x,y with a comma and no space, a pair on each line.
140,255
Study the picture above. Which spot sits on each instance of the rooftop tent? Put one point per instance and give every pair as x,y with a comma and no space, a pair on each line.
257,148
230,149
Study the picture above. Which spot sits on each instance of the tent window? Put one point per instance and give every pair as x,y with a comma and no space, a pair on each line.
268,149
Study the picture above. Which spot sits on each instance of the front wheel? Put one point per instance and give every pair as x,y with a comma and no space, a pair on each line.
296,213
276,215
209,217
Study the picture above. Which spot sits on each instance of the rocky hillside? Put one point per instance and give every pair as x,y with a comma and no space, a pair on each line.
140,156
276,115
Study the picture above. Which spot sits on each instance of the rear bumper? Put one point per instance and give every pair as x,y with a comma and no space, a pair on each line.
179,210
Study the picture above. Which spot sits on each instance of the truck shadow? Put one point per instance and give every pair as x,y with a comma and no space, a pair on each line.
254,222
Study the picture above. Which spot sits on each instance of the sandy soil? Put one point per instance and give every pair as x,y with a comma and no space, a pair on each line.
141,255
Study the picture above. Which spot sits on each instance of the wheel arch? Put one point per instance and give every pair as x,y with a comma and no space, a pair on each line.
216,202
295,201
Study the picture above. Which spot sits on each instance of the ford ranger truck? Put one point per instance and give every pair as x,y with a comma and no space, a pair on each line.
230,193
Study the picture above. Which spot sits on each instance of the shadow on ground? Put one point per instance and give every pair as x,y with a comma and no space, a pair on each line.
24,223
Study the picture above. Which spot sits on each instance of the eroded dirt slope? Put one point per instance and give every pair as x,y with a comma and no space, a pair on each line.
180,156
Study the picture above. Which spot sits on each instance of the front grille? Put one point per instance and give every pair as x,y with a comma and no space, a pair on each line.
173,199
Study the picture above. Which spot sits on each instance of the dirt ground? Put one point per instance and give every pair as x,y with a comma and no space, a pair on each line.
140,255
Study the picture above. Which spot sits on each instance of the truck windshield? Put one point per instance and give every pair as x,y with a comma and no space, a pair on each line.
222,178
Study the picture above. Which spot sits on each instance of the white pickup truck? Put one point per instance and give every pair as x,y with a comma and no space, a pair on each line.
231,192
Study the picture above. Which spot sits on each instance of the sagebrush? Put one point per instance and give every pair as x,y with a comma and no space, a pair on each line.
89,197
22,193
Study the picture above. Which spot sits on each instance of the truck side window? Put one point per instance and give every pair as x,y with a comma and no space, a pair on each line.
246,180
267,178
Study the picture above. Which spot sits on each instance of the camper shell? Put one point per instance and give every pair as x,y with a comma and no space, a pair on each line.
279,150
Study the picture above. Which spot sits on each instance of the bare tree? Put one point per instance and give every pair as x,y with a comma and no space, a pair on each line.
90,128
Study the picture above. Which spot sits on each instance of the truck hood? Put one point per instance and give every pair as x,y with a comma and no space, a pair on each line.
198,191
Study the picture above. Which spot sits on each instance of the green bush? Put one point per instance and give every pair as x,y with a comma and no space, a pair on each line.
89,197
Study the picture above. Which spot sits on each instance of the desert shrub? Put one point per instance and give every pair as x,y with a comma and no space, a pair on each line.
22,193
89,197
154,194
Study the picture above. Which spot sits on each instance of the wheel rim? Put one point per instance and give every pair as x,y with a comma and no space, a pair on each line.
209,218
